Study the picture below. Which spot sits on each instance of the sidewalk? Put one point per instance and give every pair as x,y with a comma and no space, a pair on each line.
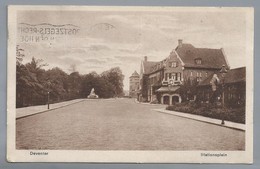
228,124
148,103
28,111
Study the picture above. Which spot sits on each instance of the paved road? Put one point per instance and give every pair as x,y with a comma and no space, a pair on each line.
121,124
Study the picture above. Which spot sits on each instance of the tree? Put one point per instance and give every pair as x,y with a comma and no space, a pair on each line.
22,84
29,88
56,81
103,88
74,85
189,89
88,82
33,83
115,77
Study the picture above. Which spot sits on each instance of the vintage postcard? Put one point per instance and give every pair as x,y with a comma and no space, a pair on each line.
130,84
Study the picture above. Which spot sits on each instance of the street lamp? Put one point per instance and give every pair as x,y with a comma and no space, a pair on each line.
170,85
48,100
223,73
48,96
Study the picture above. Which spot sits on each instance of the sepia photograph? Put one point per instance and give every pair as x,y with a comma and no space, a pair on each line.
130,84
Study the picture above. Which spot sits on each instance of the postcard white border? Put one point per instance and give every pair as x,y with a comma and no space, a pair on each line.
14,155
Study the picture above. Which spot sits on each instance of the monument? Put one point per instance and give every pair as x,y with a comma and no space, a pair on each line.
92,94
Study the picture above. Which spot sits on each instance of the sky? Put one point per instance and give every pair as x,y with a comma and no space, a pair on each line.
108,38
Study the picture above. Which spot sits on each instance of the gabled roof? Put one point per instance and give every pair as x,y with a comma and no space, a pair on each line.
232,76
147,65
187,53
211,58
135,74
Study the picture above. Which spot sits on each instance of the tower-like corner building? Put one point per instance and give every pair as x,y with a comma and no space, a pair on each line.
134,81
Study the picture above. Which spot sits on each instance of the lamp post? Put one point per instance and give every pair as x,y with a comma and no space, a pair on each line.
170,85
48,95
48,100
223,73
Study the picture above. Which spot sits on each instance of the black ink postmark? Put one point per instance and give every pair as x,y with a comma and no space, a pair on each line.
102,27
31,33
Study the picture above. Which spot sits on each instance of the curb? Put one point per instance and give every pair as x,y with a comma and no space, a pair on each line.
146,103
228,124
43,111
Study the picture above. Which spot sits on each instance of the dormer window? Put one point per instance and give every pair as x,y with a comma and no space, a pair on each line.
164,63
198,61
173,64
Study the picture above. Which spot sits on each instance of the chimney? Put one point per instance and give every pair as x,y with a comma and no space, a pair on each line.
145,58
180,42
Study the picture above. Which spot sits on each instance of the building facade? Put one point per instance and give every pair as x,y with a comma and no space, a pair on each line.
163,81
234,88
134,83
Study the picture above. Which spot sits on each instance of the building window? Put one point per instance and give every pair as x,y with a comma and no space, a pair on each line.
179,77
174,64
198,61
170,75
190,73
173,76
199,76
166,76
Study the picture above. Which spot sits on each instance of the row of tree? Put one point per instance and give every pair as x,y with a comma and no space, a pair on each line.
33,83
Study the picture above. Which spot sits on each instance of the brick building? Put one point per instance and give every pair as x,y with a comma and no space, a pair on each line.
134,81
234,88
161,81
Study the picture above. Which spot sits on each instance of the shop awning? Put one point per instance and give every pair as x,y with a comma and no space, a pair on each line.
168,89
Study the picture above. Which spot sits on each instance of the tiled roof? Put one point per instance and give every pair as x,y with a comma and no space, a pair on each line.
232,76
211,58
135,74
148,66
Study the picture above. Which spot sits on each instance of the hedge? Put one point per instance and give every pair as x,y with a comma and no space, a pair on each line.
210,110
